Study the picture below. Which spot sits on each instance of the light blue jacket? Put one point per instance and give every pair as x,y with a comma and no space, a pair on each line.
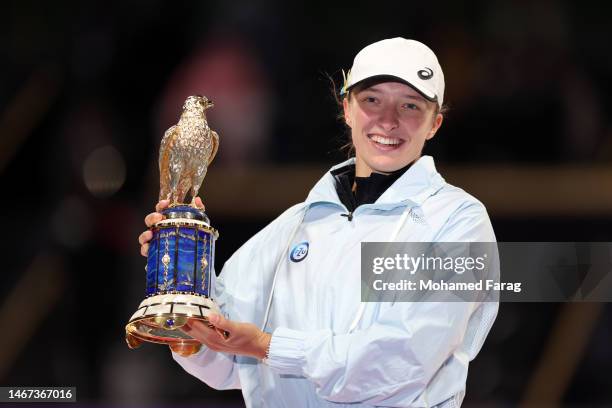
328,349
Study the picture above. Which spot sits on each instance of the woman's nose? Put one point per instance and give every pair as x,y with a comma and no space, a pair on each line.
389,119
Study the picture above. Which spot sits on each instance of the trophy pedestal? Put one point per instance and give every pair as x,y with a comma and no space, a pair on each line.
159,319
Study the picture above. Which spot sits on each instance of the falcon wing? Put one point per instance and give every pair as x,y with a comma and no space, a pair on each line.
164,157
215,145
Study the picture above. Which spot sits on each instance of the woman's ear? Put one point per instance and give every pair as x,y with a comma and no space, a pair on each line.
347,116
437,122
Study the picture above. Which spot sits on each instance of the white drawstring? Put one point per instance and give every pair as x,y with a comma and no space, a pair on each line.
278,265
392,238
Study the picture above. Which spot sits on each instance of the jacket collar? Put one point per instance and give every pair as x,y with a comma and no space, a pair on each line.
419,182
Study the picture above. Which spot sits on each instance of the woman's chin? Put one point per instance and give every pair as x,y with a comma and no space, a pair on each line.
388,166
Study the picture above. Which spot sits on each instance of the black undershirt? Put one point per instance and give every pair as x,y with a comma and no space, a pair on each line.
367,190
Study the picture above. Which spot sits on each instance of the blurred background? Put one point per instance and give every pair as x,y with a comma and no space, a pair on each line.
88,88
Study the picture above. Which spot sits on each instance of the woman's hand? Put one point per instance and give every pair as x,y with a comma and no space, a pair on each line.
244,338
156,217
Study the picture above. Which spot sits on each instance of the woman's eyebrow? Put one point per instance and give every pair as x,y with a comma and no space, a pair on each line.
417,97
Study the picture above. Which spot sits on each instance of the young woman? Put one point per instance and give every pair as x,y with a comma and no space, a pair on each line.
299,335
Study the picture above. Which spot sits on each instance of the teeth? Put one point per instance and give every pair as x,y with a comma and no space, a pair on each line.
385,140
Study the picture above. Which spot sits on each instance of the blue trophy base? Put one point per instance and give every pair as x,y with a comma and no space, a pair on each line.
179,281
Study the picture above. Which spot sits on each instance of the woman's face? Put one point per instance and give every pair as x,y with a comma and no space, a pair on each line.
389,122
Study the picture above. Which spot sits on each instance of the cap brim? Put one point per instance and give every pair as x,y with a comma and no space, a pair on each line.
387,78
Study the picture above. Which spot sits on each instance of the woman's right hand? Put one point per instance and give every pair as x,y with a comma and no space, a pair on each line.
154,218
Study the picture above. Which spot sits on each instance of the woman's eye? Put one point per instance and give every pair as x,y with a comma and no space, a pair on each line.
370,99
411,106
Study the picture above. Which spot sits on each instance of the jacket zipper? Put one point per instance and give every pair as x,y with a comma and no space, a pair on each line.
349,216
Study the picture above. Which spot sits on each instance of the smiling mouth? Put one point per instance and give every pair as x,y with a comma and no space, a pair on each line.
385,143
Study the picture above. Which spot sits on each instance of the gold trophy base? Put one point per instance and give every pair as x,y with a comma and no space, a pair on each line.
160,319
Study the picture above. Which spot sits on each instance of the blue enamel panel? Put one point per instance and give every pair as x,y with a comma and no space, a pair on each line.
203,269
211,257
183,248
152,265
165,270
186,259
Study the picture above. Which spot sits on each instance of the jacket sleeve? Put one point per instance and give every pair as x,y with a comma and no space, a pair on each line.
391,362
218,370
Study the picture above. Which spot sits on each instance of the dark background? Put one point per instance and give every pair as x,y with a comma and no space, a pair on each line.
88,88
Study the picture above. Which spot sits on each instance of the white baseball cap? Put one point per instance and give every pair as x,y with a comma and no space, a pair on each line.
409,61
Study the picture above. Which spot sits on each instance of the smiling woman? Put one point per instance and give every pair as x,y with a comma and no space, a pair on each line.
299,334
390,123
392,103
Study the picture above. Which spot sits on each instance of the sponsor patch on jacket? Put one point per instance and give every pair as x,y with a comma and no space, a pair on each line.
299,252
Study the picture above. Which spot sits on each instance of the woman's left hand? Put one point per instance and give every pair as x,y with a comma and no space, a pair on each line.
244,338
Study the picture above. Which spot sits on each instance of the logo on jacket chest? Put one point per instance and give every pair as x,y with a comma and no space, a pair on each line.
299,252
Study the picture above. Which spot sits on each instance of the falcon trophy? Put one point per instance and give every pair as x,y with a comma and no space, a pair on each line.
181,253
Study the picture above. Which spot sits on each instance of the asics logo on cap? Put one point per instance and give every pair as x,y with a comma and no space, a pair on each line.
425,74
